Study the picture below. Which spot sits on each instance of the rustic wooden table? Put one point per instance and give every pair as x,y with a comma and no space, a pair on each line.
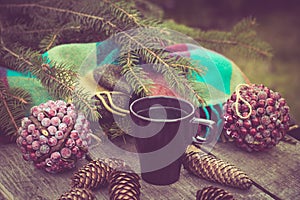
276,170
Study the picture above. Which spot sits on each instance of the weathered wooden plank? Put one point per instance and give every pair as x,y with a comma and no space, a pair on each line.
277,169
19,179
185,188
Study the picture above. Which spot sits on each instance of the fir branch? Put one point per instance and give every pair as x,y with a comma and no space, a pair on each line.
187,68
262,52
49,78
13,104
149,9
160,64
119,11
22,100
242,38
56,85
135,75
174,77
139,44
19,98
17,57
13,30
209,38
48,23
8,111
118,14
59,10
112,25
49,41
83,102
62,89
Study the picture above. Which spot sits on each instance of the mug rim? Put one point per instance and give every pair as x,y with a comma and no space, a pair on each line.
161,120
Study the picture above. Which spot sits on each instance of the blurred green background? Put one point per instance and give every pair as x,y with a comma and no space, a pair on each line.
279,24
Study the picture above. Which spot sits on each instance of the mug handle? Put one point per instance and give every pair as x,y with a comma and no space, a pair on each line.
206,122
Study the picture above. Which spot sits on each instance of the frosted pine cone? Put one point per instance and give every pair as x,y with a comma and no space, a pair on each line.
54,136
267,123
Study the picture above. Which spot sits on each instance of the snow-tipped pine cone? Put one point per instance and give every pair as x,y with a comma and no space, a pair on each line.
54,136
267,124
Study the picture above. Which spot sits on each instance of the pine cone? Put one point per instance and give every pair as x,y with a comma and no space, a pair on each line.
78,194
214,169
213,193
92,175
124,185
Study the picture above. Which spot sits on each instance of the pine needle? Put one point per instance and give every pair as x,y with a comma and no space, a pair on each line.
13,102
8,111
56,85
47,23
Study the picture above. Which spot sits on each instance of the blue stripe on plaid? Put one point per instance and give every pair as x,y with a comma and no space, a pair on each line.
215,113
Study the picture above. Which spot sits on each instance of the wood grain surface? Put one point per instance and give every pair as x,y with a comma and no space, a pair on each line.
276,170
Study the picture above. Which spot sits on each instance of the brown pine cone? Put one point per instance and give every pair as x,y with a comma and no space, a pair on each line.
78,194
124,185
214,169
92,175
213,193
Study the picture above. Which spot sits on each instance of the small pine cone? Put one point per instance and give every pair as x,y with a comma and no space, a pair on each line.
92,175
124,185
78,194
213,193
214,169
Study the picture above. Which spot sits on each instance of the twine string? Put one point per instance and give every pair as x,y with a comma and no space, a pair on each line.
238,97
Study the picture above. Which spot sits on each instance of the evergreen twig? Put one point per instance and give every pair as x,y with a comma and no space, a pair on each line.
48,23
242,38
12,108
60,10
45,30
135,75
57,86
8,111
262,52
122,13
178,81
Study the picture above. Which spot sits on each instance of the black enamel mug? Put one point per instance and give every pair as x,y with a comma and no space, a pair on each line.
163,127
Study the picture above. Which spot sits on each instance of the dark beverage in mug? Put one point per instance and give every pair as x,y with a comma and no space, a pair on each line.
163,127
